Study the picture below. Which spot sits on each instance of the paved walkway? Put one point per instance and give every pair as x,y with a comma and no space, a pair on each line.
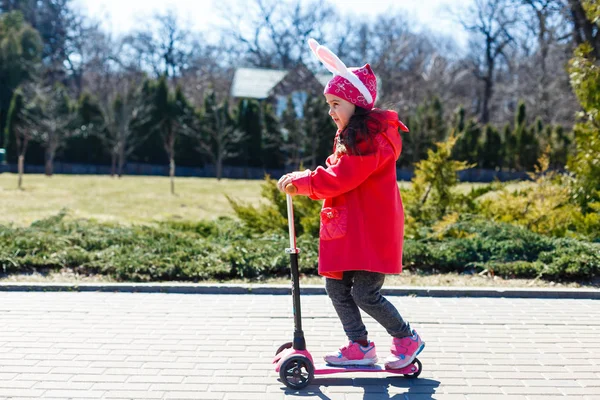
210,346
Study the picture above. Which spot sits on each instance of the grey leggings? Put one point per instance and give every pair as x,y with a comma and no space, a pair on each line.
362,289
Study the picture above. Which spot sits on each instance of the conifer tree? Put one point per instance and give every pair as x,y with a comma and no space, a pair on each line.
272,139
250,123
218,134
319,129
20,56
510,148
491,148
584,73
294,138
432,184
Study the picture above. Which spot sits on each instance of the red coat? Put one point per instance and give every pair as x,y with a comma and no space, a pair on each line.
362,219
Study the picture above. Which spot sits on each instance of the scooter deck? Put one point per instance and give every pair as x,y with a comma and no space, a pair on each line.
324,369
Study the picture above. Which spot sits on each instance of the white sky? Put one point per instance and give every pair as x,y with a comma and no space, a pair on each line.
121,16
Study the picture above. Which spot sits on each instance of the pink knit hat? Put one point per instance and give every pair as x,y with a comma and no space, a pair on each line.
356,85
342,87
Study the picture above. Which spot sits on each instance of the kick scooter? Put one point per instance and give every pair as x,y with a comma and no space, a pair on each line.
293,362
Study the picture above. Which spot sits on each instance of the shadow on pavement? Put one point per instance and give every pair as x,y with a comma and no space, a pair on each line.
374,388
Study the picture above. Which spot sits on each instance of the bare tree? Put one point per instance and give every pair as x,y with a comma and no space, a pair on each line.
122,140
490,22
114,123
56,121
208,70
273,33
163,47
545,66
22,120
86,46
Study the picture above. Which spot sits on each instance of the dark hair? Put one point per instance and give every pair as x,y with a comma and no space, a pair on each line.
361,129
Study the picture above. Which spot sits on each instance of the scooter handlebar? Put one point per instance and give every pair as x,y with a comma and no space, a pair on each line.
291,189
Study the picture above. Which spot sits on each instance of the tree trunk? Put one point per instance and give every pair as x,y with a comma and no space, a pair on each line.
584,30
21,169
49,164
53,144
121,161
219,167
172,173
2,123
170,149
488,88
544,96
113,164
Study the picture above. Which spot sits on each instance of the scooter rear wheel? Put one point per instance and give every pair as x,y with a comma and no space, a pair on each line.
284,346
297,372
420,368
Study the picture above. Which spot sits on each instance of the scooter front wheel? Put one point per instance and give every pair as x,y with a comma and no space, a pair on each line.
297,372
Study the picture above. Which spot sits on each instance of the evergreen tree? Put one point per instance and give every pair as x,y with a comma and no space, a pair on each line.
408,157
560,144
519,133
87,147
584,73
427,126
319,130
510,148
294,137
432,184
535,140
20,56
58,120
272,139
527,145
23,115
467,144
249,122
151,149
491,149
170,114
435,122
458,127
459,120
218,135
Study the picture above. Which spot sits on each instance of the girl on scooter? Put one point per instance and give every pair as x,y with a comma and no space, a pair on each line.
362,219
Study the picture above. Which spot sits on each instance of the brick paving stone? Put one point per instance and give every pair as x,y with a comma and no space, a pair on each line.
219,346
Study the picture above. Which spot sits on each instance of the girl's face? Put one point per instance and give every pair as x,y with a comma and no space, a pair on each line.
340,110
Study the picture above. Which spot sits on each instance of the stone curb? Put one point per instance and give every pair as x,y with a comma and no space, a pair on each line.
184,288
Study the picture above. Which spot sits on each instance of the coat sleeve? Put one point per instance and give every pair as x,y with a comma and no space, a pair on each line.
348,173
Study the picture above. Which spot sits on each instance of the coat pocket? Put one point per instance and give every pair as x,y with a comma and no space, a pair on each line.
334,221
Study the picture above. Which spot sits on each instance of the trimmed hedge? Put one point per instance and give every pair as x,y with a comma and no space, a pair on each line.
224,249
505,250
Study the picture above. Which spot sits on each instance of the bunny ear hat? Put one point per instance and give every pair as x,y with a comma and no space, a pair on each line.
356,85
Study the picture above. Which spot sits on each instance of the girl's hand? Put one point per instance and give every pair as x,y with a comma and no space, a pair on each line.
284,181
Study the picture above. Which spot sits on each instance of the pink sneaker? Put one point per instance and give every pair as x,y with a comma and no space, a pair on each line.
404,351
353,354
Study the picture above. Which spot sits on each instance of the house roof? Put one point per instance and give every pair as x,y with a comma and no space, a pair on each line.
323,78
257,83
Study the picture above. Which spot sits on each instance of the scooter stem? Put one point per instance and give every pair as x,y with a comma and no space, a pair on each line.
291,227
299,343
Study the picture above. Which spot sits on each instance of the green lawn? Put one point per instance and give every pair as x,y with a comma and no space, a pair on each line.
126,200
131,199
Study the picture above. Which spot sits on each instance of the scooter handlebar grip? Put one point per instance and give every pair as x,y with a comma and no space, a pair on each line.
291,189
